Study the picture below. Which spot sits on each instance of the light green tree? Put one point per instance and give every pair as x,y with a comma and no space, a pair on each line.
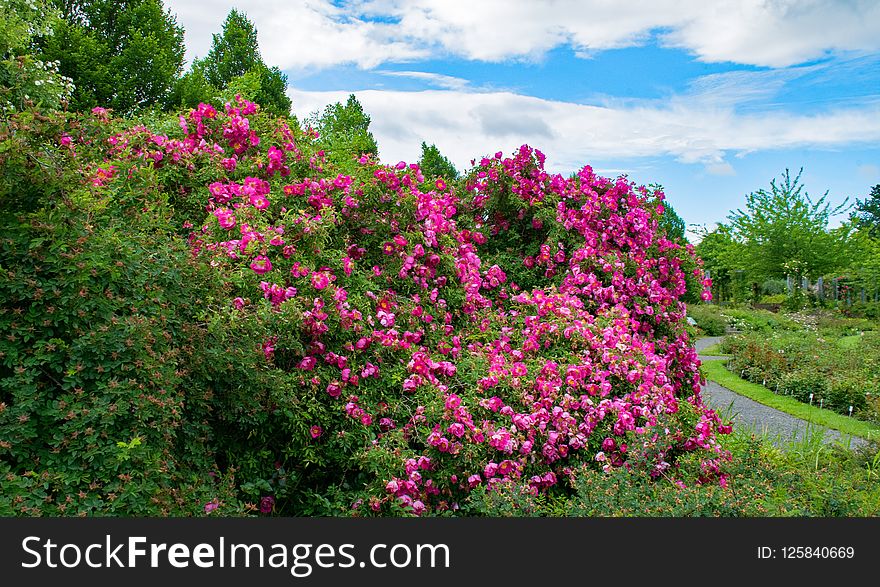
783,231
722,259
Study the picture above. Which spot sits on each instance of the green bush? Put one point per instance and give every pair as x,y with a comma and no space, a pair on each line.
869,310
755,360
835,324
806,478
839,369
805,386
99,330
747,319
774,299
775,287
109,376
845,392
708,318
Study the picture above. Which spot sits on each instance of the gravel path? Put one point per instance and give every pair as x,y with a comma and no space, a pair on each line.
781,427
703,343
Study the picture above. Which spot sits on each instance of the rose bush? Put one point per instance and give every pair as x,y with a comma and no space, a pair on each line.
415,340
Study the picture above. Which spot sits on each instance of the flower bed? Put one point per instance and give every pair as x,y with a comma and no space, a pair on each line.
813,367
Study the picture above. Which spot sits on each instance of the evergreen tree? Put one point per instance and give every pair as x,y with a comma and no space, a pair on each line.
234,53
867,214
671,223
435,165
345,131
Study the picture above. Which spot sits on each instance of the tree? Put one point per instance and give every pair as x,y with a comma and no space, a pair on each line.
234,53
867,214
671,223
784,232
344,131
434,165
722,260
124,54
272,94
25,79
191,88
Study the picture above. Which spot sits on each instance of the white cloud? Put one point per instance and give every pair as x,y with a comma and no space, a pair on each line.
465,125
720,116
319,33
722,168
778,33
438,80
299,35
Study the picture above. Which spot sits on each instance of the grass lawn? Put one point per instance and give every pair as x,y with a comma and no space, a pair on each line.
717,372
849,342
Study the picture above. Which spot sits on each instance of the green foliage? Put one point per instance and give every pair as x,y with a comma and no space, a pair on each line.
708,318
234,59
193,88
867,212
26,80
234,51
344,132
837,369
783,232
774,287
121,55
671,223
714,319
435,165
273,90
804,479
747,319
721,257
779,299
864,270
717,372
104,341
867,310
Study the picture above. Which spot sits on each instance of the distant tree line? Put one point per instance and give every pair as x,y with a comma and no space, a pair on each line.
783,239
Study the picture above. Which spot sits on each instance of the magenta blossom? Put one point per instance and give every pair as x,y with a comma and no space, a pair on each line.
259,201
267,503
261,264
320,280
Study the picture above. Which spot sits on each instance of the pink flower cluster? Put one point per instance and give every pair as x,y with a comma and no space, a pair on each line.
509,331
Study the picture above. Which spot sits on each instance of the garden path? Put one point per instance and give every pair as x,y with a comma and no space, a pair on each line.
780,427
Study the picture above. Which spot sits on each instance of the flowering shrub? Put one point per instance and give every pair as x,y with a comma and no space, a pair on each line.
505,331
417,340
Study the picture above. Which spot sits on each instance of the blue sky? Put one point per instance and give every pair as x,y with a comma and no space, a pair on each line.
711,99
